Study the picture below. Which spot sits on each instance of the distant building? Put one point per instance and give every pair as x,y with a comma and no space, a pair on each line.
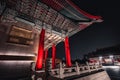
109,55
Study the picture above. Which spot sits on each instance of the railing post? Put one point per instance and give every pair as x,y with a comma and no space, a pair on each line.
88,66
100,66
77,68
61,71
96,67
33,71
69,70
33,77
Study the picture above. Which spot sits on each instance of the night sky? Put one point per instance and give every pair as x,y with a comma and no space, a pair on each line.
98,35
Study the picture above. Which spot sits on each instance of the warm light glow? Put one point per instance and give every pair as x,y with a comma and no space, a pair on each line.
40,50
16,61
12,53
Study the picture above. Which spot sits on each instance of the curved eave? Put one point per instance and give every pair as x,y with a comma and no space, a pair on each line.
83,12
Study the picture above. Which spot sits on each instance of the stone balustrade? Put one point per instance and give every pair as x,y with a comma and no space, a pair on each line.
63,72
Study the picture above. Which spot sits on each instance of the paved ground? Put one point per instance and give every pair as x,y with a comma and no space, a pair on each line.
113,72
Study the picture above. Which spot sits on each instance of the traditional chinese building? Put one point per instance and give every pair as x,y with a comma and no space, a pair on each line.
28,28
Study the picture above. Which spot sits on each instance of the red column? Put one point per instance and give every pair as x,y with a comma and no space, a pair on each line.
67,50
40,50
46,54
53,55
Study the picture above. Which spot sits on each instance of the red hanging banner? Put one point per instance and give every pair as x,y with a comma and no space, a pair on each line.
67,50
40,50
53,55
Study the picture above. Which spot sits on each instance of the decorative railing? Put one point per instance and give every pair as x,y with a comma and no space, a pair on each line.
63,72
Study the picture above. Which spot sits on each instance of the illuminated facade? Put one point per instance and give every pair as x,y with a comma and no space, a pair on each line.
29,27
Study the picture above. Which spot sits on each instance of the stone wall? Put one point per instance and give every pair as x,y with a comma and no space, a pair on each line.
15,59
12,48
